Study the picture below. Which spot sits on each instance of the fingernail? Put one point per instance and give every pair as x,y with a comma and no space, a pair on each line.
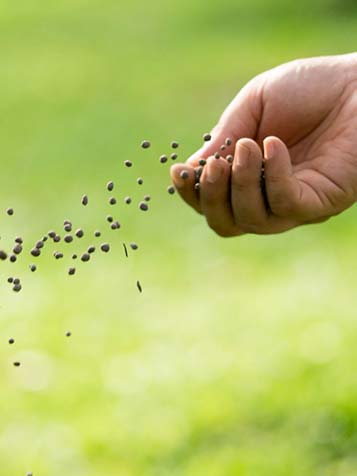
214,171
243,155
269,149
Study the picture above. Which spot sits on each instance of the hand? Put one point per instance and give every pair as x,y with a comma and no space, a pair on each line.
303,115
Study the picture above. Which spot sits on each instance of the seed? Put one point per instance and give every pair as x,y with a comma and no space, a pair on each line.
11,341
68,334
173,156
128,163
171,190
39,244
174,144
17,364
19,240
110,186
202,162
91,249
12,258
71,271
67,227
163,159
105,247
58,255
68,238
134,246
207,137
35,252
223,147
51,234
143,206
139,286
10,211
79,233
184,174
67,222
198,173
228,141
74,256
217,155
127,200
17,249
85,257
145,144
3,255
57,238
17,288
229,158
125,250
45,238
29,474
197,186
84,200
140,181
10,280
109,218
112,201
33,267
147,198
97,233
16,281
115,225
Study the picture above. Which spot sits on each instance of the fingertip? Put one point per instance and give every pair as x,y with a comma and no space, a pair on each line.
273,147
182,174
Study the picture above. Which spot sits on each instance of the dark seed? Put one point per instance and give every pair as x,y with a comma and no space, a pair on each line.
33,267
19,240
128,163
57,238
29,474
105,247
10,280
198,173
174,144
163,159
58,255
143,206
139,286
68,334
35,252
207,137
17,249
17,288
84,200
45,238
217,155
145,144
147,198
112,201
173,156
39,244
223,147
16,281
12,258
17,364
134,246
127,200
202,162
110,186
229,158
3,255
115,225
109,218
11,341
125,250
74,256
85,257
91,249
197,186
228,141
97,233
67,222
67,227
184,174
171,190
68,238
51,234
71,271
10,211
140,181
79,233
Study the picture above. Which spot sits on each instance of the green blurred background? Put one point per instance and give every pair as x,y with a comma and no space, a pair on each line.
238,358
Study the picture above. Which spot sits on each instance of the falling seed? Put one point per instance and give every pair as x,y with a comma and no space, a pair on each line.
39,244
145,144
85,257
17,288
29,474
67,222
85,200
71,271
140,181
51,234
45,238
147,198
110,186
79,233
128,163
229,158
115,225
163,159
173,156
207,137
143,206
97,233
68,334
202,162
223,147
67,227
17,249
139,286
91,249
171,190
174,144
125,250
10,279
184,174
19,240
57,238
11,341
17,364
33,267
197,186
228,141
13,258
35,252
134,246
105,247
74,256
58,255
16,281
109,218
68,238
3,255
217,155
127,200
10,211
112,201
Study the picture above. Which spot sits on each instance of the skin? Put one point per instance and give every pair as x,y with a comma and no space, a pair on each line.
299,120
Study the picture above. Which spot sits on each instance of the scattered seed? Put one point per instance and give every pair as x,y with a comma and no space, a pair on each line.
51,234
171,189
202,162
143,206
68,334
58,255
127,200
139,286
11,341
184,174
217,155
105,247
74,256
71,271
33,267
17,288
128,163
112,201
19,240
147,198
91,249
229,158
97,233
223,147
163,159
174,144
228,141
173,156
85,200
39,244
29,474
110,186
79,233
140,181
134,246
207,137
3,255
115,225
197,186
68,227
125,250
57,238
145,144
45,238
16,281
10,279
10,211
68,238
17,364
35,252
13,258
109,218
85,257
17,249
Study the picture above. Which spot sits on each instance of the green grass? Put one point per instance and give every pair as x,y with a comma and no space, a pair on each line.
238,357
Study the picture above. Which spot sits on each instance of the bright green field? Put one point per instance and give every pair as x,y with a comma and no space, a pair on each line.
239,357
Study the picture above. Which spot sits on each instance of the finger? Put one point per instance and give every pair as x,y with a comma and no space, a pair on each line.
215,197
282,187
248,204
186,185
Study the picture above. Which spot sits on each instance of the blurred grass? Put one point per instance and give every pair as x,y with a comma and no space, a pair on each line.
238,358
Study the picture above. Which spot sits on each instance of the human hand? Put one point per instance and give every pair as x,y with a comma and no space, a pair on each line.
303,115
